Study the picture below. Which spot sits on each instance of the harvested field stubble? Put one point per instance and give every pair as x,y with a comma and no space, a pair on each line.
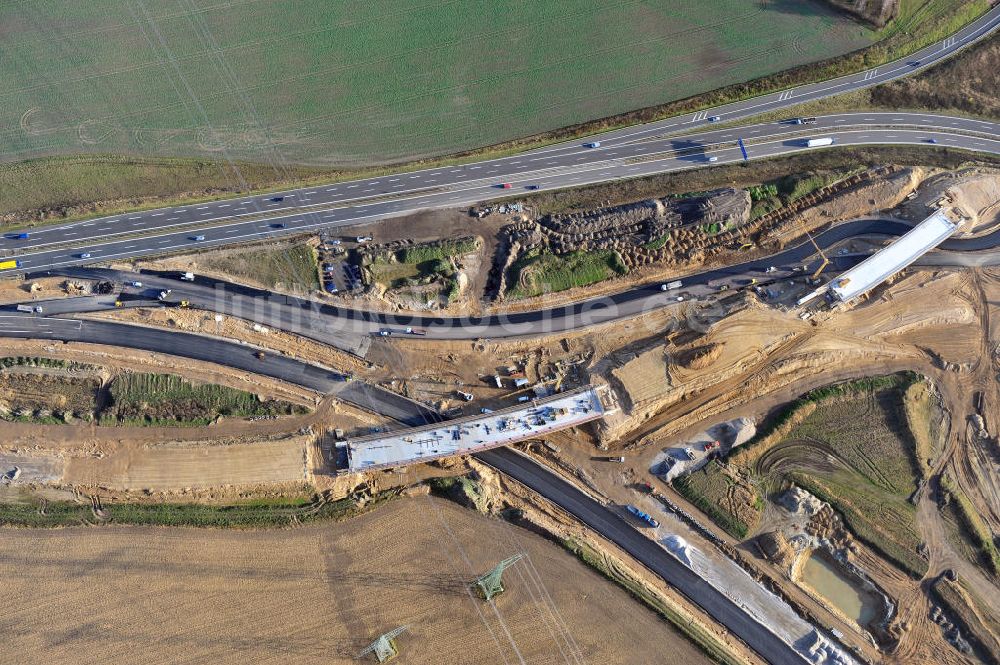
316,594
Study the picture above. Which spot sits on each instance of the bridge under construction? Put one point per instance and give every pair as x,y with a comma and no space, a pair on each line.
463,436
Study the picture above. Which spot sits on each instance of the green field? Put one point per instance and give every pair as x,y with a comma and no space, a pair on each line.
167,399
353,83
286,267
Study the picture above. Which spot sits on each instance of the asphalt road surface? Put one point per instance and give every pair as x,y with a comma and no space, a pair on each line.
94,241
644,550
349,329
213,350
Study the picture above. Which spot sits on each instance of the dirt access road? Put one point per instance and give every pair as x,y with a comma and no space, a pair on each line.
316,594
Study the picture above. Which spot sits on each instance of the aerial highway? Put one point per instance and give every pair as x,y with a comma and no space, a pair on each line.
90,242
629,152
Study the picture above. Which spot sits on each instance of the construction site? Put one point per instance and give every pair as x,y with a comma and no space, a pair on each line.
714,421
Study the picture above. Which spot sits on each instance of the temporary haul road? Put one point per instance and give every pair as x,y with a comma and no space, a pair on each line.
350,329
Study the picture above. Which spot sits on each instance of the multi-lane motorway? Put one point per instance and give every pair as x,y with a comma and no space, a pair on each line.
95,241
630,152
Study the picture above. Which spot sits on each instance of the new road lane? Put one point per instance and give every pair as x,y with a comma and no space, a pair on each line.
221,352
642,159
647,552
619,144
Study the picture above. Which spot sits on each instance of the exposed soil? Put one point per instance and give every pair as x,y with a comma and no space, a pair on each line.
320,594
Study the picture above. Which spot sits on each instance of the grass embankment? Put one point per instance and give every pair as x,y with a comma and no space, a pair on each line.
779,192
258,513
848,444
289,267
539,272
698,635
973,524
422,265
87,185
167,399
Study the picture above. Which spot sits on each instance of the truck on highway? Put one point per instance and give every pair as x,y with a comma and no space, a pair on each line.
37,309
803,121
415,331
187,276
815,143
645,517
10,264
671,286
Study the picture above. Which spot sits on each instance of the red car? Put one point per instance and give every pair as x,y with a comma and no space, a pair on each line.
505,185
712,446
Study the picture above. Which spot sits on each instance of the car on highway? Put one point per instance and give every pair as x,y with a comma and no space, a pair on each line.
932,140
384,332
714,118
259,355
134,284
914,63
335,242
531,187
277,225
277,199
85,255
713,159
505,185
592,144
770,269
197,238
22,236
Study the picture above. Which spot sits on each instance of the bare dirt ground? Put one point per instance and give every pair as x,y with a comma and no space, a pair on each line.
317,594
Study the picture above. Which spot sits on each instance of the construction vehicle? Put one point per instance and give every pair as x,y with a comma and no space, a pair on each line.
119,303
10,264
468,397
712,445
645,517
184,303
614,458
163,295
826,261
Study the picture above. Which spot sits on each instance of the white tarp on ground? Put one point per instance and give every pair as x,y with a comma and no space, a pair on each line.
878,267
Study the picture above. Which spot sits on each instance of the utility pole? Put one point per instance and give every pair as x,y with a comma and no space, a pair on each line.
490,585
384,647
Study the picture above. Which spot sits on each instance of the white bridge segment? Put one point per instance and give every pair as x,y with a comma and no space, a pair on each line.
878,267
469,435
